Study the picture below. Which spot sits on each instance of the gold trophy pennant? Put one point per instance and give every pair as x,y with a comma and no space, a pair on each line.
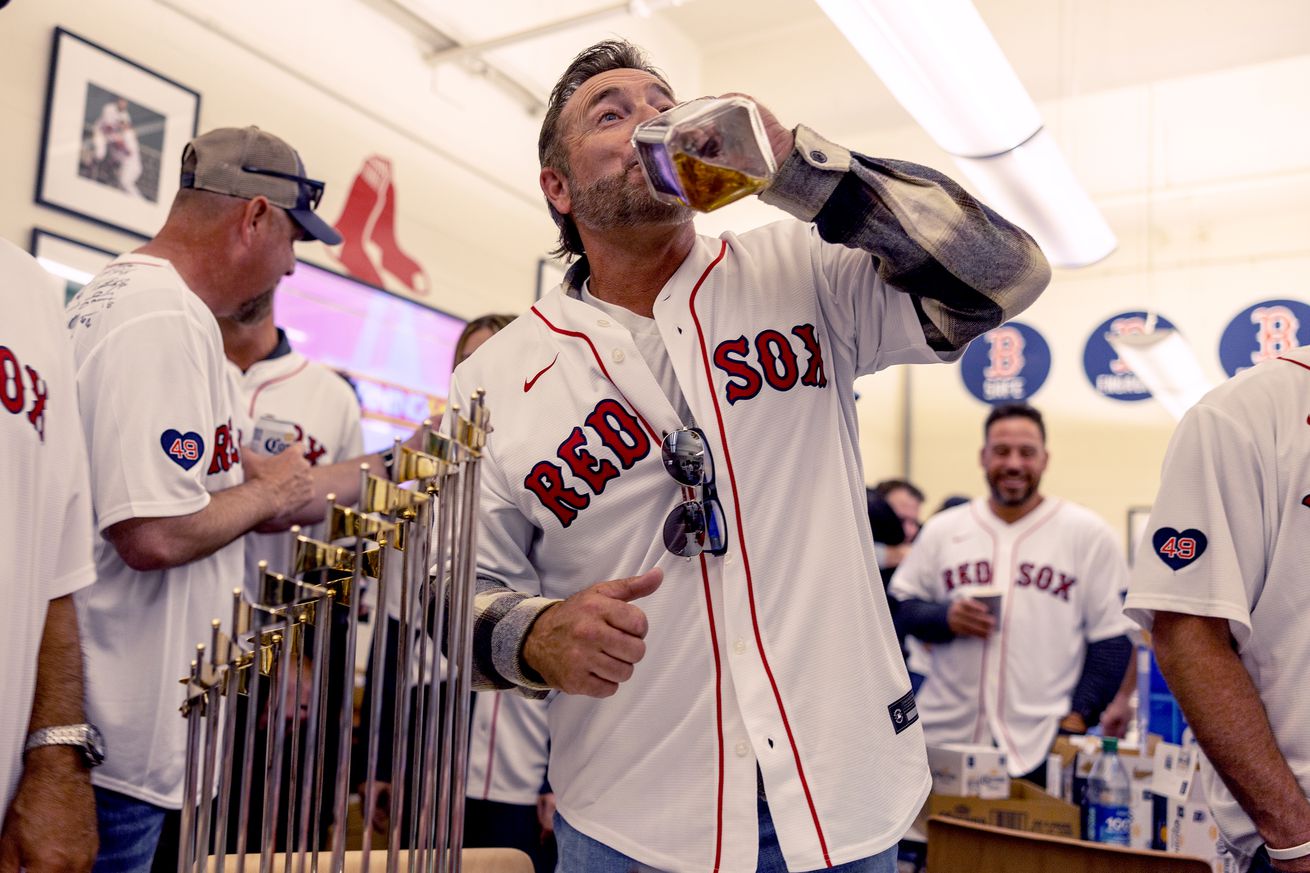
344,522
386,497
311,555
419,466
442,447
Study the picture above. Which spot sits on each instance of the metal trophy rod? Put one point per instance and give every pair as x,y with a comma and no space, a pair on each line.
236,661
193,712
217,663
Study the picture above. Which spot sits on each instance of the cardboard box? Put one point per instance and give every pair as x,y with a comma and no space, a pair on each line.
964,770
1028,808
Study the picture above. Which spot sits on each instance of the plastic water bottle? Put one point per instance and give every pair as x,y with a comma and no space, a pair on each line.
1109,797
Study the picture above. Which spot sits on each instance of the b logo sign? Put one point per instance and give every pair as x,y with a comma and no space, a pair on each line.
1010,362
1107,373
1262,332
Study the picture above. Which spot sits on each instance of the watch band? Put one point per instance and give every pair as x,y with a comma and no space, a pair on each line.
85,737
1289,853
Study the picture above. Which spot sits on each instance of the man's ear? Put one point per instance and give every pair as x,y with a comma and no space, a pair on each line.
555,185
258,211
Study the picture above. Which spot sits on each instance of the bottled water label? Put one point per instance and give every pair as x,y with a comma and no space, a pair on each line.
1109,824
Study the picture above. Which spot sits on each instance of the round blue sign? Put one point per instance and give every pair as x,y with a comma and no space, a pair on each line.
1263,332
1107,373
1007,363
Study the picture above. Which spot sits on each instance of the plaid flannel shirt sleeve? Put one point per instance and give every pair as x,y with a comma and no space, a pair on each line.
967,269
502,618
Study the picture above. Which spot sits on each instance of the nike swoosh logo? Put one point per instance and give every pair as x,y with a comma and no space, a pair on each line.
528,383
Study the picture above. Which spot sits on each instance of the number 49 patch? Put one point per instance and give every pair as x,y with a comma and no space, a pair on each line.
183,449
1178,548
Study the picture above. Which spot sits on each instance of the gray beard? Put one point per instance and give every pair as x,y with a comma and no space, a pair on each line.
613,202
255,309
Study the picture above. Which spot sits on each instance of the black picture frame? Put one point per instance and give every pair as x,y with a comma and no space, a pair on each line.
112,137
73,261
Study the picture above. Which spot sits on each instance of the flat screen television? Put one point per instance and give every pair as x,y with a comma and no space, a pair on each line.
397,353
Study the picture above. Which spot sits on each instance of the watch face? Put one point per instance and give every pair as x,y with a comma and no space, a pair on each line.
95,746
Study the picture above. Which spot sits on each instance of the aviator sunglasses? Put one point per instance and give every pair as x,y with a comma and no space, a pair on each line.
694,526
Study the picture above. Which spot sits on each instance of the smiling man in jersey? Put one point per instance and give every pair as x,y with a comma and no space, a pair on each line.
709,605
1055,651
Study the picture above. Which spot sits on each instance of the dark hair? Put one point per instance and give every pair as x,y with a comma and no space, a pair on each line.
887,486
613,54
951,502
493,323
1014,410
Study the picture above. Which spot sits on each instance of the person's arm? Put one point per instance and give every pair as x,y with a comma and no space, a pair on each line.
1114,720
341,479
967,269
1223,708
1103,670
923,619
51,823
276,485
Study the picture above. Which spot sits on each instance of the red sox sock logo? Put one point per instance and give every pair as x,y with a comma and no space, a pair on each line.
14,390
368,231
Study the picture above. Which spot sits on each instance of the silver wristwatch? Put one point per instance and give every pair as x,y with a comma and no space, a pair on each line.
86,737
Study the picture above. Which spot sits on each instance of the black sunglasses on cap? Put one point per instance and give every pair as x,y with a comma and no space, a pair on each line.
311,190
693,526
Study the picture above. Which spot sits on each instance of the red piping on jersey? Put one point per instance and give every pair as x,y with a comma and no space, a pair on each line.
595,354
491,745
276,379
1000,689
688,494
745,559
1298,363
982,662
718,710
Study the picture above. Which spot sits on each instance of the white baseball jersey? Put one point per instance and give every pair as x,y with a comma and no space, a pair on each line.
160,423
508,748
781,652
1229,537
1062,574
325,411
45,499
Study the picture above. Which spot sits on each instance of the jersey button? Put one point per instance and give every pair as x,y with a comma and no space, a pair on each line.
739,647
617,355
602,322
743,749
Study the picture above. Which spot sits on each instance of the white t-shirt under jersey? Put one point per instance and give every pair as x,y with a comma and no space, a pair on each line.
45,500
160,423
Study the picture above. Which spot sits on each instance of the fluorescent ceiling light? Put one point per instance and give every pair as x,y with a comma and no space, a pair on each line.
1166,365
942,64
1033,186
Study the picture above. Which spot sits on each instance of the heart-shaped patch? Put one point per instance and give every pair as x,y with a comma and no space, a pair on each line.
183,449
1179,548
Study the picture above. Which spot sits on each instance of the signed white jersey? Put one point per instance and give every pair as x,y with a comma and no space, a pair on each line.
1229,537
45,498
158,414
781,652
325,413
1062,573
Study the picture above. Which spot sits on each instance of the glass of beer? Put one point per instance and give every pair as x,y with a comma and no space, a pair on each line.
706,153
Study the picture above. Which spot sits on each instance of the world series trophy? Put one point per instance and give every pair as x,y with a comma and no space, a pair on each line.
260,732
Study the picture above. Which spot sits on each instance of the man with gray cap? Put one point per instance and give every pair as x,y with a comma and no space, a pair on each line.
172,491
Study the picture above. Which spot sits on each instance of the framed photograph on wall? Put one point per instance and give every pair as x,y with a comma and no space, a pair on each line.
550,272
73,262
112,138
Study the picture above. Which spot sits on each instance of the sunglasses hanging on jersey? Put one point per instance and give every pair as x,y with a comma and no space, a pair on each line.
694,526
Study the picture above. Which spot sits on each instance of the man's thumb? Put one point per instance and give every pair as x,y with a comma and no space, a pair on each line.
634,587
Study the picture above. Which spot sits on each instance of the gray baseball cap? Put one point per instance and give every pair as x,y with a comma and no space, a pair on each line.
248,162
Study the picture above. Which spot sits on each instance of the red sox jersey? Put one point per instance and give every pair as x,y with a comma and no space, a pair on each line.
45,498
1062,572
1229,537
158,414
780,653
325,411
508,747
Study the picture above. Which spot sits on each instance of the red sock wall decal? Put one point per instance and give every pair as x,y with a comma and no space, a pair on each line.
367,226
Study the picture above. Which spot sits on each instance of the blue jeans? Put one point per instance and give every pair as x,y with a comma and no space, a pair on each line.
129,832
579,853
